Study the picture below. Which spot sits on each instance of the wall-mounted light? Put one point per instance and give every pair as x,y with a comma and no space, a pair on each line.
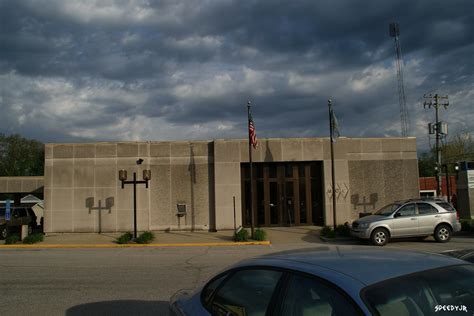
147,175
122,175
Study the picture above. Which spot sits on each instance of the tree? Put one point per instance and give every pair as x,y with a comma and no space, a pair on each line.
459,148
20,156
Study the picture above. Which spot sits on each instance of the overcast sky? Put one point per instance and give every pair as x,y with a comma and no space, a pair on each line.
181,70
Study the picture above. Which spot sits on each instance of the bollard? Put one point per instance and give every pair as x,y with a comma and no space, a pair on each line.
24,231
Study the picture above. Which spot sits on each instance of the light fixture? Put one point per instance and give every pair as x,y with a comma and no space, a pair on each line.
122,175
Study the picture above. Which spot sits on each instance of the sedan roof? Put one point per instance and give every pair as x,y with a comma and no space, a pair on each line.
367,265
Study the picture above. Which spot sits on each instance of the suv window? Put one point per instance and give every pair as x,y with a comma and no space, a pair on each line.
446,206
22,212
407,210
2,212
425,208
246,292
307,296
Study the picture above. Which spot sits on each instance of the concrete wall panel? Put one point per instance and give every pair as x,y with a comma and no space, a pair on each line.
61,222
313,150
63,176
62,199
84,176
160,149
106,150
84,151
291,149
63,151
127,149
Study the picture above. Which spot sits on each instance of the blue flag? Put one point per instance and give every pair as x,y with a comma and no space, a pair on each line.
335,127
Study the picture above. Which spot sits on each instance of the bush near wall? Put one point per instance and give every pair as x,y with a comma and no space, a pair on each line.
259,234
32,239
12,239
241,235
124,239
467,225
145,238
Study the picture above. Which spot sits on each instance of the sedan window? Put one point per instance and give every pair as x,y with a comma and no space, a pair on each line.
210,288
307,296
420,293
246,292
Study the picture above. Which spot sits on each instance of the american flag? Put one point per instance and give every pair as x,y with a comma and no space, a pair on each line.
252,133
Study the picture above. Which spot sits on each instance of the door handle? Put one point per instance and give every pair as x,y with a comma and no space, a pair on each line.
437,215
413,218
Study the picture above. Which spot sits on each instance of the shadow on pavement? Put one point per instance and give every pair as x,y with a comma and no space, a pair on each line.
121,307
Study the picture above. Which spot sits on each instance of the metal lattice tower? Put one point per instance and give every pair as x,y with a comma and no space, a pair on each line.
394,31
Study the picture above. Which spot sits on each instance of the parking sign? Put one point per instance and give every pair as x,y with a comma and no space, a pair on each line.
7,210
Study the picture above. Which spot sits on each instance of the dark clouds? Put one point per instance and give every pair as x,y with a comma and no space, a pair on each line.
152,70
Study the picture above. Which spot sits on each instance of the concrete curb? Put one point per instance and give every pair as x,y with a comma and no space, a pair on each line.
204,244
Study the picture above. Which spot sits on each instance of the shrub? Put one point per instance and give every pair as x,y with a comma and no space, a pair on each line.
466,225
145,238
124,239
342,231
32,239
331,234
259,234
325,231
241,235
12,239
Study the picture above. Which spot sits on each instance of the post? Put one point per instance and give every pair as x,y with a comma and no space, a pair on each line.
438,152
235,225
135,205
100,216
252,225
333,178
448,189
123,179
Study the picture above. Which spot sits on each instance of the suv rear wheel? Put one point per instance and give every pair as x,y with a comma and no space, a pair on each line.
379,237
442,233
3,232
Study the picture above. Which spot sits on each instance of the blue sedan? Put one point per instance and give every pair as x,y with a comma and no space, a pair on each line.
336,281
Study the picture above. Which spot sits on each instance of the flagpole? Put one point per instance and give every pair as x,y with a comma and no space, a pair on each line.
252,227
331,140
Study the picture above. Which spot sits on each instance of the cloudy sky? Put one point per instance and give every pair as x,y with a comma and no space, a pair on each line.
179,70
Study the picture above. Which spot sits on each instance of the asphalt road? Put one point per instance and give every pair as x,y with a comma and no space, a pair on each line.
127,281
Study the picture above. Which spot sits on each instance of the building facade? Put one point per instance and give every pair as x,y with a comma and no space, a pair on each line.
200,185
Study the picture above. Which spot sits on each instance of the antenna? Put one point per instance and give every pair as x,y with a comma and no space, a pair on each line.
394,31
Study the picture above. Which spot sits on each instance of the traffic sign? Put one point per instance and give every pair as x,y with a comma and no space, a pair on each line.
7,210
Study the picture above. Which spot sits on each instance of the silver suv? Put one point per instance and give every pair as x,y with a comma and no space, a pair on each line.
411,218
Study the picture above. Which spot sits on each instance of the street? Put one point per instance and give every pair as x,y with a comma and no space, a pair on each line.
130,281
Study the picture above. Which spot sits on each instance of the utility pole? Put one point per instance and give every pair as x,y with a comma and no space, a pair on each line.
438,129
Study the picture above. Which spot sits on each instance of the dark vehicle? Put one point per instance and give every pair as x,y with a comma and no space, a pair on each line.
335,281
464,254
18,216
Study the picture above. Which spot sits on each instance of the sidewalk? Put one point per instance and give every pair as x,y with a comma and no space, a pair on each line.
275,235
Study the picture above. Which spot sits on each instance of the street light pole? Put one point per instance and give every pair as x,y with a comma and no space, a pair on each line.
146,178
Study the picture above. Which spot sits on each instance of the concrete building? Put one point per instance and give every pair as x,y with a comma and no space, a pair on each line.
292,182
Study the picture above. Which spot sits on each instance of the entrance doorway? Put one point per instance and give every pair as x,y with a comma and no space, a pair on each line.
284,194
